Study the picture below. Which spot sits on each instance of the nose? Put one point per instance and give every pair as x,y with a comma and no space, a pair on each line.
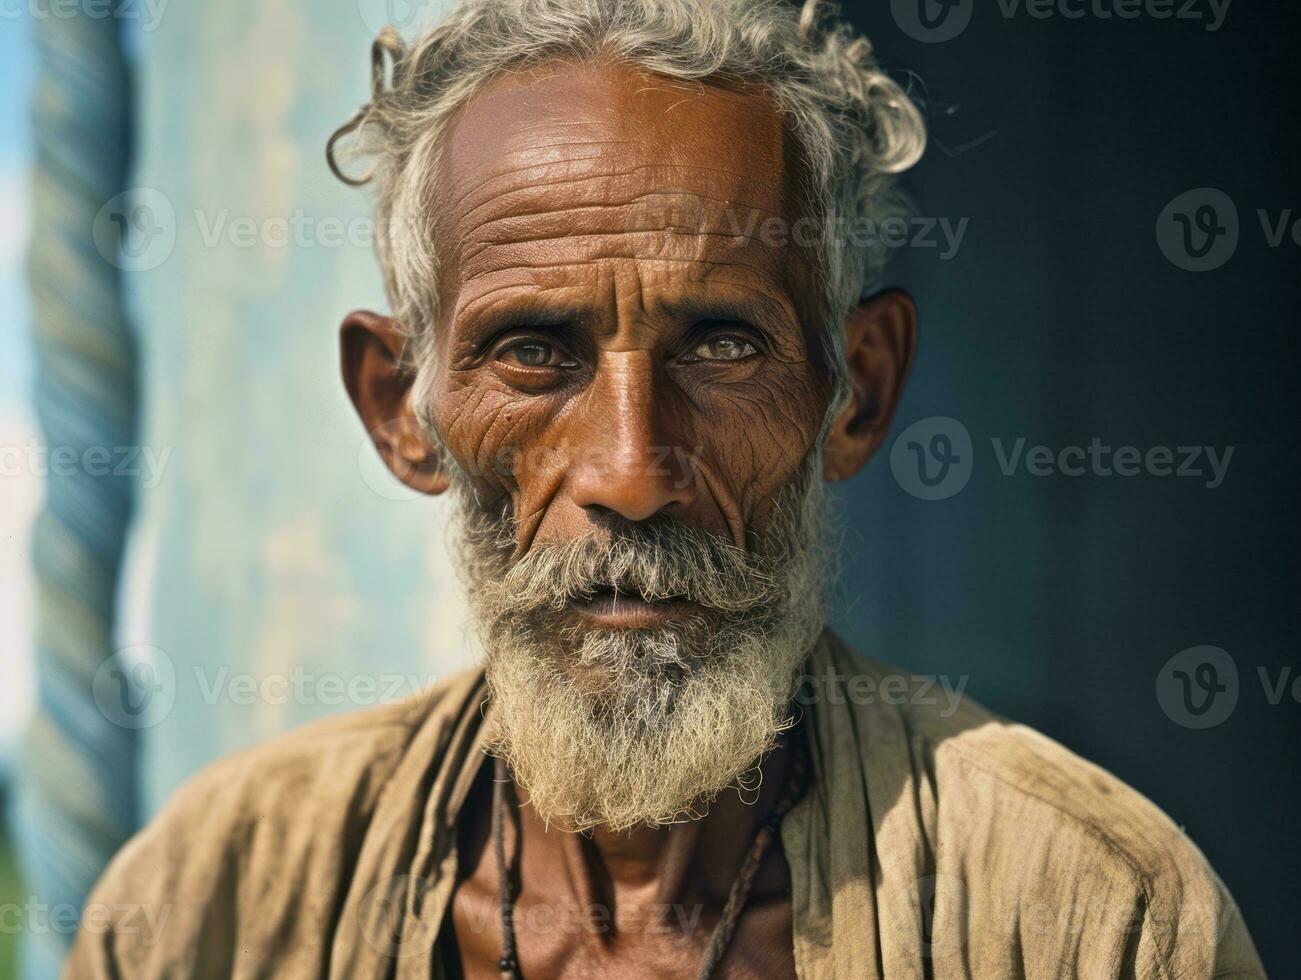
627,461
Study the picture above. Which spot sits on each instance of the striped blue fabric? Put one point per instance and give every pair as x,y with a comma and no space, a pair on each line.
77,791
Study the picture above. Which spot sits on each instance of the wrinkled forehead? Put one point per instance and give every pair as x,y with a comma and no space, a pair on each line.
562,151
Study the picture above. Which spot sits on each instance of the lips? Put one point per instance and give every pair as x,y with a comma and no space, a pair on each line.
609,608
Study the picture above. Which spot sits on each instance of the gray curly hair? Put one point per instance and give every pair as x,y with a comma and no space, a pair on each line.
855,126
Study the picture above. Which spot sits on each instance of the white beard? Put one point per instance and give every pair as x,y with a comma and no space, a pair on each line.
628,727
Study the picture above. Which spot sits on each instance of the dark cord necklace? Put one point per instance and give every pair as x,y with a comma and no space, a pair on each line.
798,777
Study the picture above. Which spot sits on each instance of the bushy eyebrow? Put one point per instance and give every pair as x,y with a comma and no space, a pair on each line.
721,309
514,311
743,303
509,307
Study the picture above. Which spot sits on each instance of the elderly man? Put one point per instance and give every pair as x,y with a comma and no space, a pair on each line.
628,247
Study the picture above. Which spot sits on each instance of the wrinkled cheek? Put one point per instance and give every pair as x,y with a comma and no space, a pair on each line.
738,447
759,446
508,449
483,428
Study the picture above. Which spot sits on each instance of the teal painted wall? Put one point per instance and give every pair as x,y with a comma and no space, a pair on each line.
275,564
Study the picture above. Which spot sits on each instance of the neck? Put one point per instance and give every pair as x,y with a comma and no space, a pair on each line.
685,865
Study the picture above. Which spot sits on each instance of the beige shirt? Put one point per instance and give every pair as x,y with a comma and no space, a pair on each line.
937,841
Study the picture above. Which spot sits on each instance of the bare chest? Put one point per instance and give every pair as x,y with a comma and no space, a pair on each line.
560,937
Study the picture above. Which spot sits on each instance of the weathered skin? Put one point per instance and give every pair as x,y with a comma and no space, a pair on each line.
611,345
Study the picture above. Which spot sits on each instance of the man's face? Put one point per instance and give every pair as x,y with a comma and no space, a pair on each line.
617,340
627,395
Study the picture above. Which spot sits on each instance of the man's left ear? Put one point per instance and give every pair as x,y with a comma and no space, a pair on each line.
880,342
370,349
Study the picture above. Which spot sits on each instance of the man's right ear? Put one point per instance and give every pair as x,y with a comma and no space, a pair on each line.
370,349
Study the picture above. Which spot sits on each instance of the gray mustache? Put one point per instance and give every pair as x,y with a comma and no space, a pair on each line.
670,561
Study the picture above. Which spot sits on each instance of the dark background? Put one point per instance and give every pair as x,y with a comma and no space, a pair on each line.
1059,319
